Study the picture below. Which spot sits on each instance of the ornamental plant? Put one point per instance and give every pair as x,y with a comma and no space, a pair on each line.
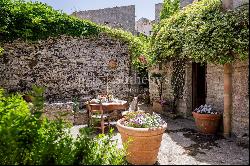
139,119
27,138
203,32
205,109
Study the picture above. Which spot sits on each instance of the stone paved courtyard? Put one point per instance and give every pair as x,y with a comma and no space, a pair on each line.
183,145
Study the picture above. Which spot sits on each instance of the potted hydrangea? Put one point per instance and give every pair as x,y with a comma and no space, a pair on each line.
206,119
144,130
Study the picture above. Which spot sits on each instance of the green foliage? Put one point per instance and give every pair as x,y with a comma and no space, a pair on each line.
203,32
169,8
35,20
32,140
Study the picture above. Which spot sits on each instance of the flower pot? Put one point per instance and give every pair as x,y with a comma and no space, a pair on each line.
145,144
207,123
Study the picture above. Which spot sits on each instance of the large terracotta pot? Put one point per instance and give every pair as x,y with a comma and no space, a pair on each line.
145,144
207,123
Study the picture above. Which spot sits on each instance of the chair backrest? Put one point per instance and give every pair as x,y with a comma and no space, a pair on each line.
134,104
95,107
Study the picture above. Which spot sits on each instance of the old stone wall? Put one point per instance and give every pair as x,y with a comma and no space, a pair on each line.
68,67
240,94
185,102
158,8
240,111
215,86
144,26
116,17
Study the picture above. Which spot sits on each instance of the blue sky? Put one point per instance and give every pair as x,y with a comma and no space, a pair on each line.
143,8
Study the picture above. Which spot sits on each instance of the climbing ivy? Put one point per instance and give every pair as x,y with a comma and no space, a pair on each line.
169,7
32,21
203,32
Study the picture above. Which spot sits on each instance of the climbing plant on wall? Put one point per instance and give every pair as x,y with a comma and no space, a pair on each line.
202,32
32,21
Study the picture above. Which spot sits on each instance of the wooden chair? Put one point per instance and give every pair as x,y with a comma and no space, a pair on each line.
96,112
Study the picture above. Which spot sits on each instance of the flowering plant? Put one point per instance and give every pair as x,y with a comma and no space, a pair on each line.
206,109
140,119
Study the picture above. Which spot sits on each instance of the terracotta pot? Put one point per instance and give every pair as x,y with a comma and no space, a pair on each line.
145,144
207,123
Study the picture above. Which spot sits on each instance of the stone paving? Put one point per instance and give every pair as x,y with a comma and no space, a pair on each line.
183,145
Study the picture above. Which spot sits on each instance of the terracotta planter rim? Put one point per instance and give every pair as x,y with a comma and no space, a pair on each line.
163,127
195,114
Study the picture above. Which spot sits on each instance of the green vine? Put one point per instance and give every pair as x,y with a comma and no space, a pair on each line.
35,20
178,81
203,32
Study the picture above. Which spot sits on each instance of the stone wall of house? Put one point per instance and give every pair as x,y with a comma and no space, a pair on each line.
240,94
166,71
68,67
116,17
185,102
158,8
144,26
215,86
240,112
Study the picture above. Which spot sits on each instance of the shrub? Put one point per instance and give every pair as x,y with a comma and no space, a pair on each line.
32,140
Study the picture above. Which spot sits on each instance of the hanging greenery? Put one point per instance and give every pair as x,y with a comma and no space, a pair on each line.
203,32
178,81
32,21
169,7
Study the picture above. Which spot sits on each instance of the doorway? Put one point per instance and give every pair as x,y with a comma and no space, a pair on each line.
198,85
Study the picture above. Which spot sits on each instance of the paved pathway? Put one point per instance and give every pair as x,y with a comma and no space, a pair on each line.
183,145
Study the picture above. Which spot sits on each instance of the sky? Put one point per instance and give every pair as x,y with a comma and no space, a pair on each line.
143,8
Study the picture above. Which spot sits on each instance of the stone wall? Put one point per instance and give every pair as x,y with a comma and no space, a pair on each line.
185,102
184,3
240,94
240,111
215,86
144,26
158,8
68,67
116,17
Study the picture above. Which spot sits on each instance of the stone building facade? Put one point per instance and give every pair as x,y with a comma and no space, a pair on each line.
158,8
116,17
144,26
214,89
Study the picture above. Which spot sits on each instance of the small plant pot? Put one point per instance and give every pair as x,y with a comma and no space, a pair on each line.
207,123
145,143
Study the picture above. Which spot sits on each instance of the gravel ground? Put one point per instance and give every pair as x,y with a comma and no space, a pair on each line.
183,145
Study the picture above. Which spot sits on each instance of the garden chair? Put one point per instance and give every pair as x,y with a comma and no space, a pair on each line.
132,107
96,114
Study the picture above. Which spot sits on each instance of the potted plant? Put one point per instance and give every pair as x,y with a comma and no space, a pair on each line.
206,119
143,133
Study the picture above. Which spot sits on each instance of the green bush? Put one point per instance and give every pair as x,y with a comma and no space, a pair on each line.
203,32
32,140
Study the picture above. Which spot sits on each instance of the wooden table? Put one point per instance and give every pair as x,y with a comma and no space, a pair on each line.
110,106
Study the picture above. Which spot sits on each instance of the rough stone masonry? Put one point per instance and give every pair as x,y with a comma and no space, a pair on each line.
68,67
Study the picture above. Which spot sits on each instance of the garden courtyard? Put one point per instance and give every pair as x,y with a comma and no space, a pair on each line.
97,87
182,144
